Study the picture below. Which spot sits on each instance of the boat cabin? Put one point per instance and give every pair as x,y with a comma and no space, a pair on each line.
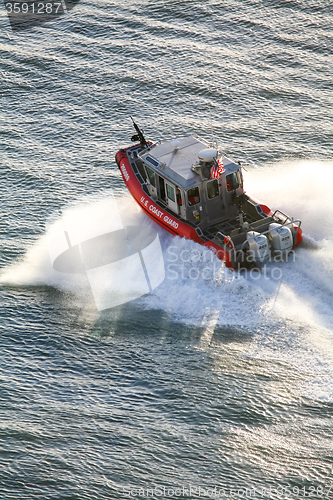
180,176
203,189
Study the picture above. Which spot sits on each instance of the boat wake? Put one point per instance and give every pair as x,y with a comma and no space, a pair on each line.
197,286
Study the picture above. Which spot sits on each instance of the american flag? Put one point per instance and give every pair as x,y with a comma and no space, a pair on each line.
217,169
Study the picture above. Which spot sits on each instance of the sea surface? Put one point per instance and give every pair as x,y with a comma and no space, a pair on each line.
215,385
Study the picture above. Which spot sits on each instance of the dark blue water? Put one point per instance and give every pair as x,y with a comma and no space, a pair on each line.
222,381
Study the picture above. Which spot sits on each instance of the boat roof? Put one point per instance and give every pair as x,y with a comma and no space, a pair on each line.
175,158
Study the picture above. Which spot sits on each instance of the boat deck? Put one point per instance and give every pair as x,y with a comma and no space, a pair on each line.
227,226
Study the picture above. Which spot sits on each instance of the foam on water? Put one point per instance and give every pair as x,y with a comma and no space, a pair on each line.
302,189
199,286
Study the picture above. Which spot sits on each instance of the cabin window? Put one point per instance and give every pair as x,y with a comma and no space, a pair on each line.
152,161
240,177
212,189
151,175
193,196
171,193
233,181
162,188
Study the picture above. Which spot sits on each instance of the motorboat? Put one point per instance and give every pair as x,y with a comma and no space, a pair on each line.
190,188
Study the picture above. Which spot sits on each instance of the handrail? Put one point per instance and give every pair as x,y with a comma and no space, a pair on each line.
283,214
224,237
148,148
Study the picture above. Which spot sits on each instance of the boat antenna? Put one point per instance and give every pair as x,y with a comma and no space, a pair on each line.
211,126
139,136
